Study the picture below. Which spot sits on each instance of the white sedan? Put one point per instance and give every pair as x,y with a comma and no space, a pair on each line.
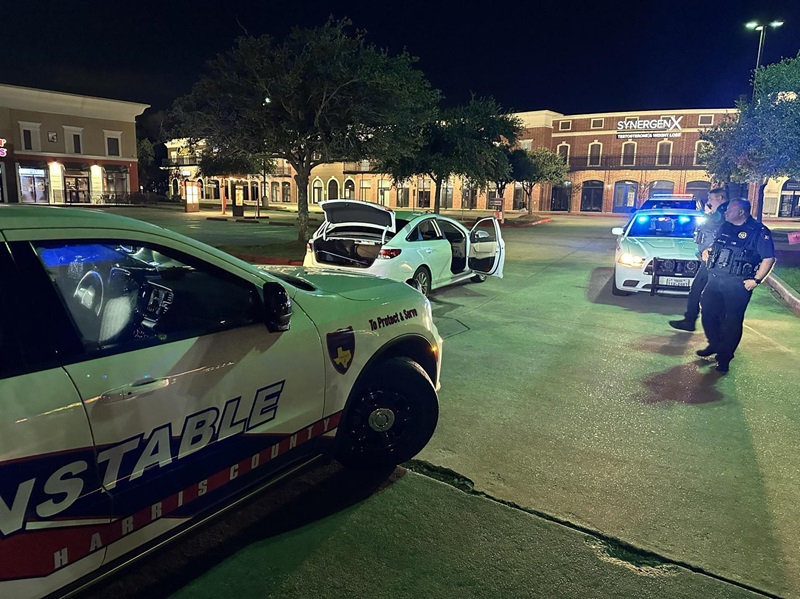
427,250
656,252
148,381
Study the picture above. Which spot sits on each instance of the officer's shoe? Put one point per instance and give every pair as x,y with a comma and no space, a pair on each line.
682,325
706,351
723,367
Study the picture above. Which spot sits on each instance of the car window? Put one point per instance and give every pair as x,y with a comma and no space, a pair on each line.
450,231
671,225
123,295
424,231
10,360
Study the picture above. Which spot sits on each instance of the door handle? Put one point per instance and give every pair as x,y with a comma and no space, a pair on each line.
135,389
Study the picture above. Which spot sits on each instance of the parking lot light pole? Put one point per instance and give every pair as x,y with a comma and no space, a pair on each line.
756,26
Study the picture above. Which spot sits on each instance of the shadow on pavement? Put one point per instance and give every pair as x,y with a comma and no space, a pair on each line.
290,505
687,383
598,291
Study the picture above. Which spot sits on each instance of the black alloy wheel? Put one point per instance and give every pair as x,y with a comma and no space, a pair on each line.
390,416
423,278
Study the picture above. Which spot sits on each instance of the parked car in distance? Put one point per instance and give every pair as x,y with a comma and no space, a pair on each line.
147,381
656,252
428,250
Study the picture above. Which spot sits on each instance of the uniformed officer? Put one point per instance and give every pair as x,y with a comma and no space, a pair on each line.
739,259
705,235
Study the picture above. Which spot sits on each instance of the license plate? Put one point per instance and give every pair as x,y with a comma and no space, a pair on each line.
672,282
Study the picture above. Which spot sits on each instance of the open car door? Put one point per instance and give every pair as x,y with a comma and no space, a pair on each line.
486,248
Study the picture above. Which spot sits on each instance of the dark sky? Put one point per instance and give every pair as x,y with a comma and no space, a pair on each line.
571,57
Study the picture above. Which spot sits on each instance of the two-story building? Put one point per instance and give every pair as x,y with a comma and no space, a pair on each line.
58,148
617,160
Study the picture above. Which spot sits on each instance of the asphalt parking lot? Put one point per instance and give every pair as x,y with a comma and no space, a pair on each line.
582,451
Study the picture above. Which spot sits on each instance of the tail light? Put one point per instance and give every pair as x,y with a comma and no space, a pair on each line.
388,254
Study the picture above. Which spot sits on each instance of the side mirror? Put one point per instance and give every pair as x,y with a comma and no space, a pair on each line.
480,236
277,307
617,231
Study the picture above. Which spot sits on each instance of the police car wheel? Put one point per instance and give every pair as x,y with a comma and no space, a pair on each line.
423,278
478,278
389,417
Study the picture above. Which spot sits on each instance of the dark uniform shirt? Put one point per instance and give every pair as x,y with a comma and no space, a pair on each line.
739,249
707,232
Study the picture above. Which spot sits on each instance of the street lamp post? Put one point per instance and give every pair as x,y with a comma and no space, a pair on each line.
762,29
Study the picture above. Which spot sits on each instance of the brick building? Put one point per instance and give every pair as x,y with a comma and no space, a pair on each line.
58,148
616,160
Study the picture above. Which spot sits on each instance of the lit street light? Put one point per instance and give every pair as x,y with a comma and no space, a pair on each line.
756,26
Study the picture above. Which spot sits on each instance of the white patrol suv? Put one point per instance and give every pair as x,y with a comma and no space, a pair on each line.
147,379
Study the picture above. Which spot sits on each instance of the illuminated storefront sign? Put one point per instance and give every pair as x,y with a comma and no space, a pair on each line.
643,128
3,150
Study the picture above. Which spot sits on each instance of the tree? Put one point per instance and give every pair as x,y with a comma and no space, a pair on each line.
541,166
152,177
464,140
763,141
322,95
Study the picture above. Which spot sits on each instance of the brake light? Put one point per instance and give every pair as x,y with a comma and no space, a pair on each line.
388,254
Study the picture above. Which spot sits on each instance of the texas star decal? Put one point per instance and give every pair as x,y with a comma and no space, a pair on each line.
342,348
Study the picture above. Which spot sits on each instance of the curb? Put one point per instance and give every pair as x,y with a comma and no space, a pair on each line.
267,260
787,294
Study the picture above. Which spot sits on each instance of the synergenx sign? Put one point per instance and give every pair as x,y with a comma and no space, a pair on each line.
663,127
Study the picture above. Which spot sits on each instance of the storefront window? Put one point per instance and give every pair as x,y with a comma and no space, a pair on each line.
115,182
349,189
625,196
402,197
287,192
76,185
424,193
316,192
34,186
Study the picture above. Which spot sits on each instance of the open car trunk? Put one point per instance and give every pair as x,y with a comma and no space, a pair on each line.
354,253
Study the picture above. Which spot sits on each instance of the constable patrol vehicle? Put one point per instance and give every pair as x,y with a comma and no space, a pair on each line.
147,380
656,252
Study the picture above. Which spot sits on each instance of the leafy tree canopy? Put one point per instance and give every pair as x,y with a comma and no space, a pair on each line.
763,140
321,95
466,140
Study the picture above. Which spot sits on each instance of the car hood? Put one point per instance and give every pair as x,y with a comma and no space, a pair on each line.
354,286
347,212
663,247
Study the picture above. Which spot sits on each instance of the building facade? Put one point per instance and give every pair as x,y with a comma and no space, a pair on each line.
58,148
616,161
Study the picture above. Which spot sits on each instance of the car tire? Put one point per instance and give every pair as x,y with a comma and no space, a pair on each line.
390,416
478,278
423,278
616,290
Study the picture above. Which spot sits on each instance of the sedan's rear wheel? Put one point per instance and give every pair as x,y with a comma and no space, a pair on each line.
389,417
423,278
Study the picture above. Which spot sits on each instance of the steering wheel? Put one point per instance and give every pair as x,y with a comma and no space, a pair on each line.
89,292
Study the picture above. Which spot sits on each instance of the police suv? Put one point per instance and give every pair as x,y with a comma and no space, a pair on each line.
146,380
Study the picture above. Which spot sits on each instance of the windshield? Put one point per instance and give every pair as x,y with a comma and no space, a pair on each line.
664,225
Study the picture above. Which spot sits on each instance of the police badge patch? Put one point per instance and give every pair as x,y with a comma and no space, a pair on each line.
341,348
742,235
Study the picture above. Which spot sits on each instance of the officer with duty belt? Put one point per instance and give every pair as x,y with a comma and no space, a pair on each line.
704,237
739,259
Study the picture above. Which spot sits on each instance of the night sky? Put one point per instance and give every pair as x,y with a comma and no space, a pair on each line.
570,57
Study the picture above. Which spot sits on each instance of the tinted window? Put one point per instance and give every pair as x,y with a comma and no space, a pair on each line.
122,295
663,226
424,231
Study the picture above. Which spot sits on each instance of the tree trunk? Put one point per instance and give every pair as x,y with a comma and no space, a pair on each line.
437,194
529,197
301,179
759,207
